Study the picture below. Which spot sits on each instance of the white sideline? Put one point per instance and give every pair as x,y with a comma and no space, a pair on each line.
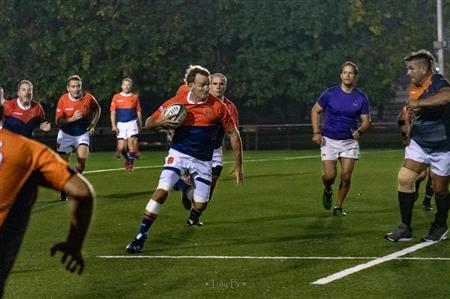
375,262
231,257
225,162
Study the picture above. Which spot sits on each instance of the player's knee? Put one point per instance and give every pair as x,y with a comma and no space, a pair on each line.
406,180
217,170
346,178
160,195
201,206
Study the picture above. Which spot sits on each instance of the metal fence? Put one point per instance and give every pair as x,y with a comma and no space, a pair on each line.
254,137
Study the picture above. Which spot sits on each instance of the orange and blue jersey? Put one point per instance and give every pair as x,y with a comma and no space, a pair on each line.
196,135
25,164
67,106
234,115
125,106
22,121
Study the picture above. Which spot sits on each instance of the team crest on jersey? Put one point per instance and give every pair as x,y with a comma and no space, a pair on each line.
208,112
170,160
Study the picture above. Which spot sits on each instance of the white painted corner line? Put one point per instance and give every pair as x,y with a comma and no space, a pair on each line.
372,263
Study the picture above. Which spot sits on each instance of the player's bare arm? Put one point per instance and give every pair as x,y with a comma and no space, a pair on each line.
442,97
162,122
62,121
315,123
96,116
365,124
236,146
114,122
139,119
81,197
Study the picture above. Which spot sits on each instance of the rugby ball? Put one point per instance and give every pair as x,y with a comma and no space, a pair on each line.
176,112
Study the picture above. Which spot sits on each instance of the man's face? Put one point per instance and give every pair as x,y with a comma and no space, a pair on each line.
417,72
217,86
348,76
25,94
200,87
126,86
74,88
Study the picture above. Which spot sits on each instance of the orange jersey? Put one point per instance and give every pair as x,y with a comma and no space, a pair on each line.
22,121
66,108
25,164
196,135
125,106
183,89
234,115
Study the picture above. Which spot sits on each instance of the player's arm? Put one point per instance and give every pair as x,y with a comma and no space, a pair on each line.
61,120
139,119
44,124
95,117
113,121
315,123
442,97
236,146
81,197
365,124
158,120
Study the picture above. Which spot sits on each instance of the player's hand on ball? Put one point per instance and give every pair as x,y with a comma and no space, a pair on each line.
72,257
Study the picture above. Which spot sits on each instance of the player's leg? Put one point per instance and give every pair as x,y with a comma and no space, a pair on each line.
64,146
407,177
121,148
329,156
82,155
169,176
132,151
202,176
440,177
217,165
426,203
347,166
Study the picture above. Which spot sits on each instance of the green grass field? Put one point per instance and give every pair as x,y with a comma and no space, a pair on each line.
276,213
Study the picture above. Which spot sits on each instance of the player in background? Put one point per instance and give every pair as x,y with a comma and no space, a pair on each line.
23,115
126,121
344,105
191,150
24,165
217,88
77,114
428,145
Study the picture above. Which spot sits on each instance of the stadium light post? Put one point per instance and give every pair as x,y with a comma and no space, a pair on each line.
440,44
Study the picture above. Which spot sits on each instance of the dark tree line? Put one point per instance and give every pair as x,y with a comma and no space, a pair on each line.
278,55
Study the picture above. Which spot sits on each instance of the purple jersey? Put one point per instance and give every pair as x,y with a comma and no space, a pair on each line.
342,111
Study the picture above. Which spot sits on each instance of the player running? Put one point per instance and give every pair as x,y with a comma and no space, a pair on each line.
191,150
126,120
77,114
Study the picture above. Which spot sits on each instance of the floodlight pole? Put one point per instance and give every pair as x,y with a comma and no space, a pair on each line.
440,44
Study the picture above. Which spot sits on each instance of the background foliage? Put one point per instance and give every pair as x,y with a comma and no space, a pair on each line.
278,55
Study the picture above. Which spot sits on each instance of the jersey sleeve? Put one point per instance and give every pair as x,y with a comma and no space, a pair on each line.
59,109
323,99
225,117
41,115
234,113
53,171
365,105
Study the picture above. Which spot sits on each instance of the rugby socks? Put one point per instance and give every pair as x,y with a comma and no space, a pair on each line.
131,156
428,195
442,205
194,215
406,202
147,222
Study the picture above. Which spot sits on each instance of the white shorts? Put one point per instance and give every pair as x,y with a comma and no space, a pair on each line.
217,158
177,164
439,161
127,129
334,149
66,143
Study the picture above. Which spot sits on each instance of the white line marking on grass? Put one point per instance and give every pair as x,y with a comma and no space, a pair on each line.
226,162
230,257
375,262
